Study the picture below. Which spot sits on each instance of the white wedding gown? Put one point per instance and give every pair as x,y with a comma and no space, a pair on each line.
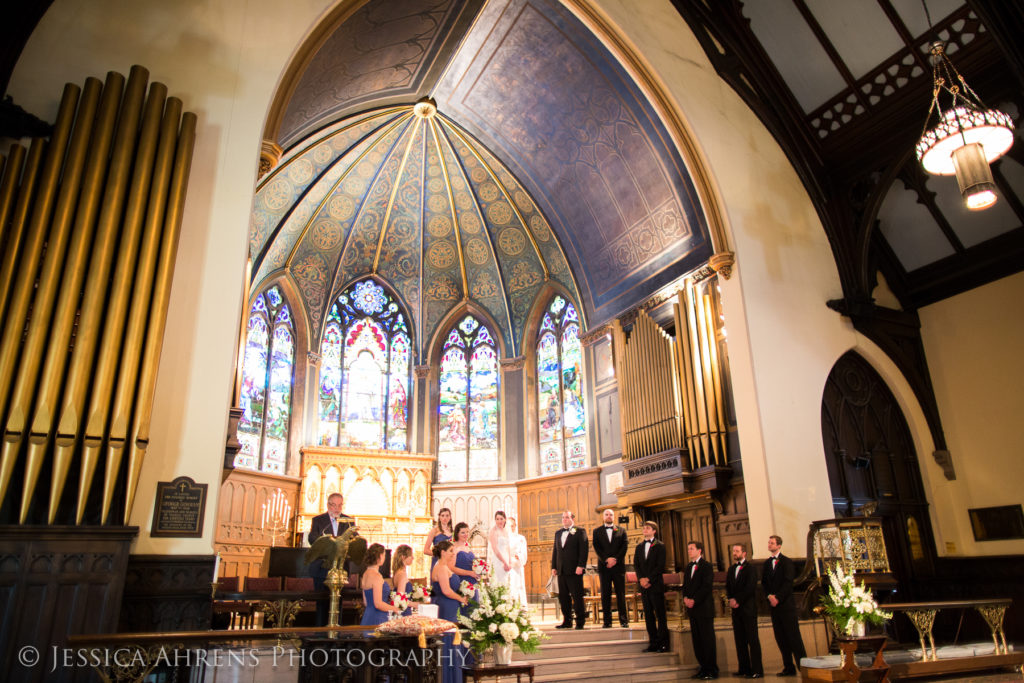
517,575
500,577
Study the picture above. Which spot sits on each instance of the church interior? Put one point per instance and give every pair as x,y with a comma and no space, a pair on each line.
671,258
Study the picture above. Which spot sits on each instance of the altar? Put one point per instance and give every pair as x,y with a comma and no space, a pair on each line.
387,492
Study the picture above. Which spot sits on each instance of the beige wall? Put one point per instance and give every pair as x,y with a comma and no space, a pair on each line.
974,344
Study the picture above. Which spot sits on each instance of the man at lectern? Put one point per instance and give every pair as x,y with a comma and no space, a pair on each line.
332,522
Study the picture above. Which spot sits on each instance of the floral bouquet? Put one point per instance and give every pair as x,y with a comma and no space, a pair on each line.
495,618
481,567
420,593
400,600
467,589
847,603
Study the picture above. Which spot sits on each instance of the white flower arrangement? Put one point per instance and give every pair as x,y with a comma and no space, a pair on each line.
496,618
400,600
481,567
847,603
420,593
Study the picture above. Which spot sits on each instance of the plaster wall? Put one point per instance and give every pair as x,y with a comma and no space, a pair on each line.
223,60
973,343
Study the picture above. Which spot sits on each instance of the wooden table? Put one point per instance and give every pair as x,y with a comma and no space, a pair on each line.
497,670
849,645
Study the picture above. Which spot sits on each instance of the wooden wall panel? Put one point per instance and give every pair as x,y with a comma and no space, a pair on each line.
579,492
239,537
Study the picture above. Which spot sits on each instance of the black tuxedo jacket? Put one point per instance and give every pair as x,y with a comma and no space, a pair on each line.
779,581
651,567
321,524
742,587
615,548
574,554
698,588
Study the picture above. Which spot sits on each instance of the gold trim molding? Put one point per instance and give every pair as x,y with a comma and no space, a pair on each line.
270,154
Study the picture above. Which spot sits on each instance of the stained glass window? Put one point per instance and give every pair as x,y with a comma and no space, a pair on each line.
364,371
468,411
267,375
561,415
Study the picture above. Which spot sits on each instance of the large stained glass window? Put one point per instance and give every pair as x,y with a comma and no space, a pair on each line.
364,371
561,417
267,371
467,448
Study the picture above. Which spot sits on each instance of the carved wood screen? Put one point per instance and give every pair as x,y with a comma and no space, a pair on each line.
871,460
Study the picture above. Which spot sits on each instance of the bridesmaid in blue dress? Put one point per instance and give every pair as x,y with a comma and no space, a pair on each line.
442,531
448,601
400,573
376,592
462,566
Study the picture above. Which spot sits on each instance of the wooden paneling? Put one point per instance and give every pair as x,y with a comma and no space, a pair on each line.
579,492
54,582
167,593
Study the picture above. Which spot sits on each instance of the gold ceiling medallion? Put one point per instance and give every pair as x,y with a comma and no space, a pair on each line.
425,108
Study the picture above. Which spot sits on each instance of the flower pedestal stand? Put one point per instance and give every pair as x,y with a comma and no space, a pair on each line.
877,671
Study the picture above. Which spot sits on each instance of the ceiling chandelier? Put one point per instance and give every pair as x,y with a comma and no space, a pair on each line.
967,136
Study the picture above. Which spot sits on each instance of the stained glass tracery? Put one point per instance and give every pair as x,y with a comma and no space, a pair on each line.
267,374
468,410
364,371
561,414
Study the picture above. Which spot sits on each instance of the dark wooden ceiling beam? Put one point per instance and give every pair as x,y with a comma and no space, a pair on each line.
830,50
914,179
908,39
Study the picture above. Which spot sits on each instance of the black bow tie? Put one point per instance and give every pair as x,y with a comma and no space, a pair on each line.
609,527
648,541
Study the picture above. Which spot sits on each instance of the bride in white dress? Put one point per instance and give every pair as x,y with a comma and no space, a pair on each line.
501,561
517,556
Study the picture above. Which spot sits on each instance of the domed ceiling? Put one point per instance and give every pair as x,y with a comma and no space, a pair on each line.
405,194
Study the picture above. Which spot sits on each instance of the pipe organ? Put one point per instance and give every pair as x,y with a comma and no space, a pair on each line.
672,402
89,224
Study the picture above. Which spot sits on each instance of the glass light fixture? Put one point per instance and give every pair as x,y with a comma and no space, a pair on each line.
967,136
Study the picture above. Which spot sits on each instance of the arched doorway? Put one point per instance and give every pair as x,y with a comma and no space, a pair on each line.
871,461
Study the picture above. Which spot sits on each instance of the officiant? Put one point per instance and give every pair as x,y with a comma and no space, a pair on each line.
334,523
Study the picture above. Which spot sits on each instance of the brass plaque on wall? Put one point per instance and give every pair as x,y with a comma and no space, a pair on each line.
547,525
180,508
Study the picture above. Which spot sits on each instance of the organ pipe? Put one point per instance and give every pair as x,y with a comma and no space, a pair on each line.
89,222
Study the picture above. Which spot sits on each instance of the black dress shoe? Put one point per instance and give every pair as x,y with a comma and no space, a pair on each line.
698,676
579,627
786,672
652,648
664,648
569,625
624,624
755,675
709,677
606,625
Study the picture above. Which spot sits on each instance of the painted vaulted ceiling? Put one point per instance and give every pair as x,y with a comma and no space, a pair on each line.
544,162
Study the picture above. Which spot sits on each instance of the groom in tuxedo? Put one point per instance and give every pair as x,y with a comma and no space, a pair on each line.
568,562
740,588
610,545
777,579
700,606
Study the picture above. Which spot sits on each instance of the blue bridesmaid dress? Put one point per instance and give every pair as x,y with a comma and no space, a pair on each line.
437,539
371,615
408,591
451,658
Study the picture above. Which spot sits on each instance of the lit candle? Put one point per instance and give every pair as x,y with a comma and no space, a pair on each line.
216,568
263,524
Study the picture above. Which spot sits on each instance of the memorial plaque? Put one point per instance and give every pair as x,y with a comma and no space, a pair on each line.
180,508
547,525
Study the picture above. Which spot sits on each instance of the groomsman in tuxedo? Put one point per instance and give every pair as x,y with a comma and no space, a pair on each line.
610,545
777,578
649,563
697,581
332,522
740,586
568,562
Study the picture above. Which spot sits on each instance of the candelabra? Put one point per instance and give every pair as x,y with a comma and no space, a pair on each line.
276,516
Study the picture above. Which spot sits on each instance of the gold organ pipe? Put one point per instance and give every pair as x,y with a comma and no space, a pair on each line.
49,276
158,316
663,370
716,381
700,423
621,380
9,186
124,393
108,357
28,263
680,384
687,337
60,331
706,387
26,193
643,384
634,399
69,424
653,381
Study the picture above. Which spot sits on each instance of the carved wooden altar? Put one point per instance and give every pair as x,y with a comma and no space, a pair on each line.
388,492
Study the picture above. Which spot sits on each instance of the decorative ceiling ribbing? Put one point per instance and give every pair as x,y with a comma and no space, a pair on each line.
416,201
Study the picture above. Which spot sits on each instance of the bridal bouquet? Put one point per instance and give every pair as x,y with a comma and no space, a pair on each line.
420,593
481,567
847,603
495,618
400,600
467,589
